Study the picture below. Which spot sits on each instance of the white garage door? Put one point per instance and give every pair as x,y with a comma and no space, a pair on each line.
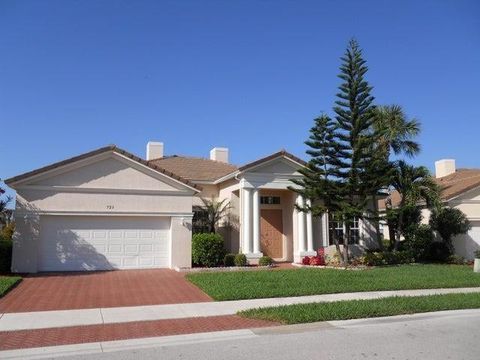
465,245
76,243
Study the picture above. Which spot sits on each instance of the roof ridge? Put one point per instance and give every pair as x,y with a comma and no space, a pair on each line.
194,158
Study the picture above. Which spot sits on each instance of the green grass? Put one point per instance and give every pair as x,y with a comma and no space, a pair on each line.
267,284
7,283
357,309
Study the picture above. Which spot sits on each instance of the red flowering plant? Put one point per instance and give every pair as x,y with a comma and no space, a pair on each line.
306,260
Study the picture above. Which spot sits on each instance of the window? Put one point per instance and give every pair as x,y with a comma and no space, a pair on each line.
270,200
338,228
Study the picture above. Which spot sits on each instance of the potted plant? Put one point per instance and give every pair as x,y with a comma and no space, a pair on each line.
476,264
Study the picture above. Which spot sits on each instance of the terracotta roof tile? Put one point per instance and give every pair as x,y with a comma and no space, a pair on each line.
194,168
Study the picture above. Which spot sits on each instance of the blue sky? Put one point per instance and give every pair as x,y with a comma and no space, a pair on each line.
248,75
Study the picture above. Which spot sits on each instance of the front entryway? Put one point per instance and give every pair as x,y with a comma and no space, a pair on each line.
271,233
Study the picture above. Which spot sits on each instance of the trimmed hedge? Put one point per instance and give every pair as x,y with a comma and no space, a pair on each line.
240,260
207,249
388,258
265,261
229,260
5,256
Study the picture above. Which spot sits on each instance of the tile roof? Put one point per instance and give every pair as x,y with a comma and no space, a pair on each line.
194,168
451,185
271,157
113,148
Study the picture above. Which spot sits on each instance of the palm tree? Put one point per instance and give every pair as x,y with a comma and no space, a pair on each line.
396,132
215,210
414,184
395,135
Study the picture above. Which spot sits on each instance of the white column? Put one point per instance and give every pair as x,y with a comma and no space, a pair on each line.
256,221
247,228
325,228
301,226
309,229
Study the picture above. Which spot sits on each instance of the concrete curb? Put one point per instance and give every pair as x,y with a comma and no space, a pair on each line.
119,345
66,318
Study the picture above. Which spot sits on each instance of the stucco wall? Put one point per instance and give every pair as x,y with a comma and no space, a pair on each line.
181,232
102,188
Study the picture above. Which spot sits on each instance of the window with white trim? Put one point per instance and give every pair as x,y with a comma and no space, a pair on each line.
337,227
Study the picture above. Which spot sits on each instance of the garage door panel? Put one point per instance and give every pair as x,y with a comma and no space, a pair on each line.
101,243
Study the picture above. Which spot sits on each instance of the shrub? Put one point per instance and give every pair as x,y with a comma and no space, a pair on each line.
5,256
419,240
207,249
449,222
240,260
265,261
7,231
317,260
333,260
456,259
439,251
229,260
388,258
306,260
477,254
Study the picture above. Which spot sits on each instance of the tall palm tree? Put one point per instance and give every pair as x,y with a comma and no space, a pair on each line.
396,131
414,184
396,135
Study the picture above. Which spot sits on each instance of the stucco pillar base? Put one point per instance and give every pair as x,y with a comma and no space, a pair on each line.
302,254
253,258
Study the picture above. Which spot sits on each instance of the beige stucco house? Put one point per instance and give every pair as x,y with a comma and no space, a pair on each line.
460,188
109,209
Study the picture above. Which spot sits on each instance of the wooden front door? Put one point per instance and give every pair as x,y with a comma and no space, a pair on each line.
271,233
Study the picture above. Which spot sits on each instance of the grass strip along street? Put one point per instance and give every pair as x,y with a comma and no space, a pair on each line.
357,309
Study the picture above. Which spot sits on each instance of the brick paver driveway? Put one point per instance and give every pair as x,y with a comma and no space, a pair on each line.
62,291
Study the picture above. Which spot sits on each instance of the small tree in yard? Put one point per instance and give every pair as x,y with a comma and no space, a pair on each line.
215,210
449,222
414,184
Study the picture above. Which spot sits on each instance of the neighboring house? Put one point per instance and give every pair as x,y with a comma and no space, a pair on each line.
108,209
460,188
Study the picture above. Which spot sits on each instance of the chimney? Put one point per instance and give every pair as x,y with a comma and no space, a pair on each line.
444,167
219,154
154,150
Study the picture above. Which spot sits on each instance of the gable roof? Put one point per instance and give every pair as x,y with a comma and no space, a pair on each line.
451,186
194,168
112,148
278,154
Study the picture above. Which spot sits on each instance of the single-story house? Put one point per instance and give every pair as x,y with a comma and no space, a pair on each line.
109,209
460,188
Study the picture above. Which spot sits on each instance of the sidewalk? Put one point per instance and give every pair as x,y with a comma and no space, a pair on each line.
102,316
100,346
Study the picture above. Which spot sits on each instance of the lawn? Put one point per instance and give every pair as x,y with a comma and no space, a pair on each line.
7,283
266,284
357,309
